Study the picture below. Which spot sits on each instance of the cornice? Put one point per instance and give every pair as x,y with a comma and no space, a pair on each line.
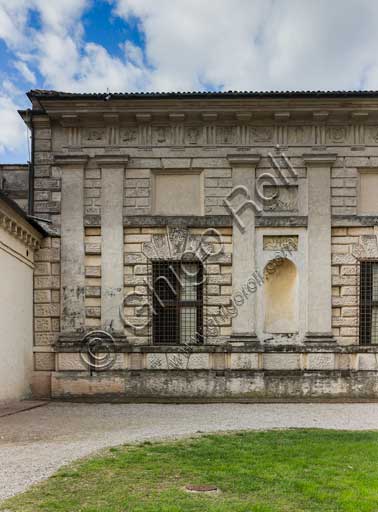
19,229
71,159
112,161
243,160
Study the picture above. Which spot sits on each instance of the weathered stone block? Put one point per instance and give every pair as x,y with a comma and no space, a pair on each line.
42,296
46,310
44,338
44,361
248,361
320,361
281,361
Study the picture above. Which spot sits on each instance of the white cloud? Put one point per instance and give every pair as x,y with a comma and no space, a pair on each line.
12,128
196,44
257,44
25,71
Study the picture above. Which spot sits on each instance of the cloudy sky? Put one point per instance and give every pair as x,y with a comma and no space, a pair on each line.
172,45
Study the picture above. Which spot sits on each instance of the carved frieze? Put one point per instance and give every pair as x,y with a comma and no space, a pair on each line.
280,243
94,136
337,134
262,133
193,135
178,131
226,135
129,135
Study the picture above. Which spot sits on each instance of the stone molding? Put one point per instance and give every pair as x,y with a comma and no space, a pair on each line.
320,159
243,160
210,129
112,161
71,160
19,230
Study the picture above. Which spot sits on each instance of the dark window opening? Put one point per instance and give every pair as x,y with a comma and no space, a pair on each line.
177,302
368,302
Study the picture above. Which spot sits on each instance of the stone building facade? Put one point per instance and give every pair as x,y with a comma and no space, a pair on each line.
270,200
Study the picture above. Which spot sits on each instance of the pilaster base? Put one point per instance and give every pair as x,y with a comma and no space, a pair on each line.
320,337
245,338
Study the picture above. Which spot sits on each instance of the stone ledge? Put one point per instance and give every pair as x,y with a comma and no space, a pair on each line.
209,385
354,220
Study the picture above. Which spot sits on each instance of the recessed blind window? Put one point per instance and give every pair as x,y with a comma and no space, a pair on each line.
369,303
178,302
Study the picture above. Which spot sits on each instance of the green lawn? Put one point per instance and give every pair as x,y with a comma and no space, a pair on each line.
280,471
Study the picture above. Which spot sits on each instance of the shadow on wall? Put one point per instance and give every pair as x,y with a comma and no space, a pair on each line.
281,298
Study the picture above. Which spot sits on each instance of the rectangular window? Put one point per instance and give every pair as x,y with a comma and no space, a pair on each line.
177,302
369,302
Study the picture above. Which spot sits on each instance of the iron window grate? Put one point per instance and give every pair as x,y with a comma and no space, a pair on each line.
177,297
368,310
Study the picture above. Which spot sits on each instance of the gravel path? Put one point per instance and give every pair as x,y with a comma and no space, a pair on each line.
35,443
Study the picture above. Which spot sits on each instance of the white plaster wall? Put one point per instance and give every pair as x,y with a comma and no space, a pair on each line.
16,323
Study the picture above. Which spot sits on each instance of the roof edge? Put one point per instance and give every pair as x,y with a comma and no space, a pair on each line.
61,95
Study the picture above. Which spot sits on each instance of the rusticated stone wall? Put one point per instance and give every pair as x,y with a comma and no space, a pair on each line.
144,244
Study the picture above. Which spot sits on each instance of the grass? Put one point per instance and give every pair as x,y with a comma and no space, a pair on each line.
275,471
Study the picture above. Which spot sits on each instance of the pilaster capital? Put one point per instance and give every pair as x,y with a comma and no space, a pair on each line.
112,161
71,159
243,160
319,160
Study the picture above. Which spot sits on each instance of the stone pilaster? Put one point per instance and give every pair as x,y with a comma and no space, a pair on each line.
319,303
72,245
112,192
243,212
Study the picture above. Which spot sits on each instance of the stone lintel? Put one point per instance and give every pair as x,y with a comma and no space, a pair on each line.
281,221
319,159
243,160
354,220
193,221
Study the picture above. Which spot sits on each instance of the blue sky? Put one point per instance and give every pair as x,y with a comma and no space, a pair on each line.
125,45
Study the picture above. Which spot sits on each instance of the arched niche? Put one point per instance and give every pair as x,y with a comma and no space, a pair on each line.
281,297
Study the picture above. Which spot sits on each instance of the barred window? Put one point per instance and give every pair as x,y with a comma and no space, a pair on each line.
177,302
369,302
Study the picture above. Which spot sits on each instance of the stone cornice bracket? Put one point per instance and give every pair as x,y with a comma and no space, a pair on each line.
243,117
320,159
243,160
176,118
112,161
209,117
111,118
321,115
359,116
281,116
143,117
71,159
